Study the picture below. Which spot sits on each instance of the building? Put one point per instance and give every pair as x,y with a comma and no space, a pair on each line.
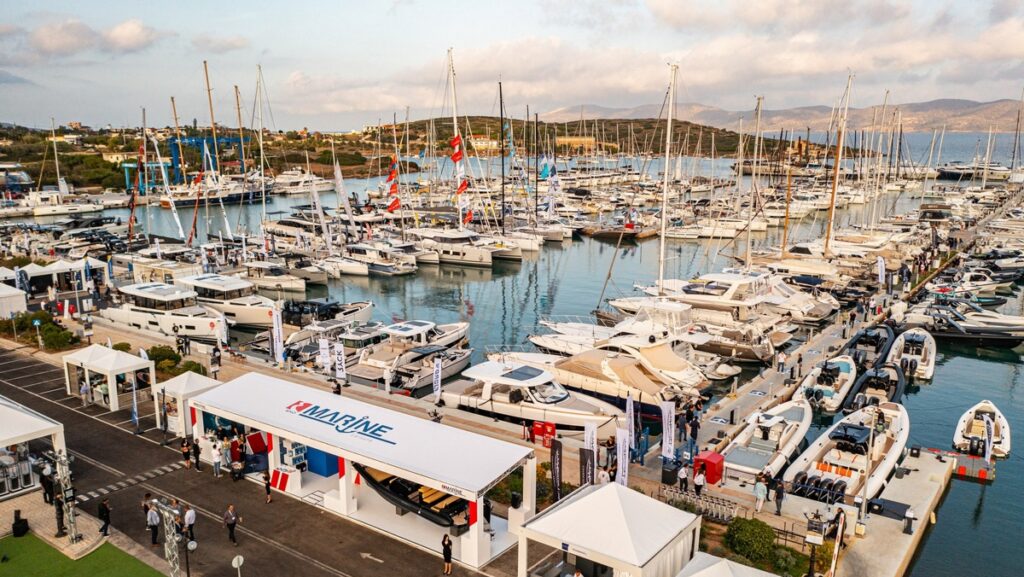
119,157
484,143
75,125
577,142
72,139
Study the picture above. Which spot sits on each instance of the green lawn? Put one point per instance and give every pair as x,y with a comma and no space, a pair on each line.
29,556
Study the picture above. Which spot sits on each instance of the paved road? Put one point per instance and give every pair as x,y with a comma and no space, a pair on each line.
286,537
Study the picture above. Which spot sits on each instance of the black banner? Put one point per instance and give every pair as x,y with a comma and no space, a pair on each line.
556,469
587,466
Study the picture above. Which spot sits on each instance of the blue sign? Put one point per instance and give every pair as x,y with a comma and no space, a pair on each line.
36,322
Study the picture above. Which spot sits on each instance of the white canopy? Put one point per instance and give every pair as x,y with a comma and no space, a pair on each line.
88,355
620,528
19,424
188,383
6,273
705,565
118,362
465,463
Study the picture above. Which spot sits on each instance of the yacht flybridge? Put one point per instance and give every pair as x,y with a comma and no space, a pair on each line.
234,296
168,310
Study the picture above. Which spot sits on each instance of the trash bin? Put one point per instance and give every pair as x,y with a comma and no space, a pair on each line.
669,473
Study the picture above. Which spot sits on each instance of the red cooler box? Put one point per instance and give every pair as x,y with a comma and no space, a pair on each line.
714,466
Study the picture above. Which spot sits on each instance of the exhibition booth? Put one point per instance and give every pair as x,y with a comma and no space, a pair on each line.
19,426
371,464
170,399
611,531
112,376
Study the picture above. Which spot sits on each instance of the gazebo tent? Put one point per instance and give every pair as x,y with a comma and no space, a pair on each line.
12,301
705,565
20,425
616,527
174,395
107,371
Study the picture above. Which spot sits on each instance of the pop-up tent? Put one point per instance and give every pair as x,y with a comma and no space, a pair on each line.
173,395
616,527
112,376
704,565
20,425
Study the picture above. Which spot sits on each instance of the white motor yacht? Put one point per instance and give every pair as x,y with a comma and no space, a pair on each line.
269,276
168,310
768,441
234,296
456,246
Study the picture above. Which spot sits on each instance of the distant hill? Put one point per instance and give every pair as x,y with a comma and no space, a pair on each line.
957,115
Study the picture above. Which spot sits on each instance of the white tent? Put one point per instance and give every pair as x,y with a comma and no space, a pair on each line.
704,565
6,273
174,394
18,426
617,527
107,371
12,301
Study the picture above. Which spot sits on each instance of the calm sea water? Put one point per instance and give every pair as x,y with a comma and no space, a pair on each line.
979,527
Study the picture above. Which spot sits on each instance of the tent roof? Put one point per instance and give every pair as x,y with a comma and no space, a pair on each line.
705,565
89,354
8,290
6,273
614,520
188,383
118,362
32,269
18,423
465,463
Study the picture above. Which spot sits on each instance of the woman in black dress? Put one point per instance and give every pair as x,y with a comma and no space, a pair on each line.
186,453
266,484
446,551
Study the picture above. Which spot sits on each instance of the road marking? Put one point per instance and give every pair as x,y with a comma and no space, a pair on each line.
370,557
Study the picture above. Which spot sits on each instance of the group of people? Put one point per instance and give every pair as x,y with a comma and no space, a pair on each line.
699,478
184,519
763,486
688,426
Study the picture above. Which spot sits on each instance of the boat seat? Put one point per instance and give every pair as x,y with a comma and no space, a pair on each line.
431,495
977,428
439,506
379,476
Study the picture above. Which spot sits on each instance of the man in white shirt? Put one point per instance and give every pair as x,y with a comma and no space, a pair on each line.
603,477
190,522
217,456
153,523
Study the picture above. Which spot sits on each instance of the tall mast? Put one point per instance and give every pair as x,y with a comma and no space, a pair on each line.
501,138
838,161
665,176
241,135
145,173
259,140
459,170
754,176
56,162
213,123
536,173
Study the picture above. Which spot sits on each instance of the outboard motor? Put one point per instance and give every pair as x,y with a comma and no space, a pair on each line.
797,486
838,492
812,487
904,364
825,490
858,402
976,447
913,369
819,396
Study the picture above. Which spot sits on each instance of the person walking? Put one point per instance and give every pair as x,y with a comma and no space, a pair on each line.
104,515
266,484
699,480
781,359
217,456
760,493
153,523
684,477
780,494
190,522
446,552
231,520
694,430
186,452
84,392
196,452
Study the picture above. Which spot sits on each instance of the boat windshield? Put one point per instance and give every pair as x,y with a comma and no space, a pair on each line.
549,393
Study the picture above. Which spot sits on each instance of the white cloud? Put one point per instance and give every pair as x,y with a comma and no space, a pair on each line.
130,36
219,44
63,38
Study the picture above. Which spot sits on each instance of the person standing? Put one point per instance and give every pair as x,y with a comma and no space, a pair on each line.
446,552
266,484
186,452
781,359
84,392
190,522
46,481
760,493
684,477
231,520
153,523
196,452
58,505
699,480
217,456
780,494
104,515
694,430
146,504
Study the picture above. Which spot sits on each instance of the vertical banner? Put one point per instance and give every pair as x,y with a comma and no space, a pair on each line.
590,444
622,457
668,430
556,469
587,462
989,434
630,419
324,358
339,362
880,263
388,375
277,335
437,379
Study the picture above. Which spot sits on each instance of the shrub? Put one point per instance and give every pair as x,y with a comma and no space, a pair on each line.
751,538
166,366
823,557
719,551
740,559
56,338
160,353
190,366
784,560
123,347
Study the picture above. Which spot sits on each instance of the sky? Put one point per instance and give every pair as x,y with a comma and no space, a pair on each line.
341,65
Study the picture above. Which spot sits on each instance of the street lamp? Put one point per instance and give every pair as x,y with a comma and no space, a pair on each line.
815,536
190,547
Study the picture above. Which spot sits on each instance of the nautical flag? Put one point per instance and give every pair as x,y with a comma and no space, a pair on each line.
392,175
468,218
456,141
457,155
423,152
142,353
462,187
394,188
394,205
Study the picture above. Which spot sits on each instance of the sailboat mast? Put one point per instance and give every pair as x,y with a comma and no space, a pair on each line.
213,123
501,138
259,140
145,173
665,175
838,161
459,171
754,177
53,137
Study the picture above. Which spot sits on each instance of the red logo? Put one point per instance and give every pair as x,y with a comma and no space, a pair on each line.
298,406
